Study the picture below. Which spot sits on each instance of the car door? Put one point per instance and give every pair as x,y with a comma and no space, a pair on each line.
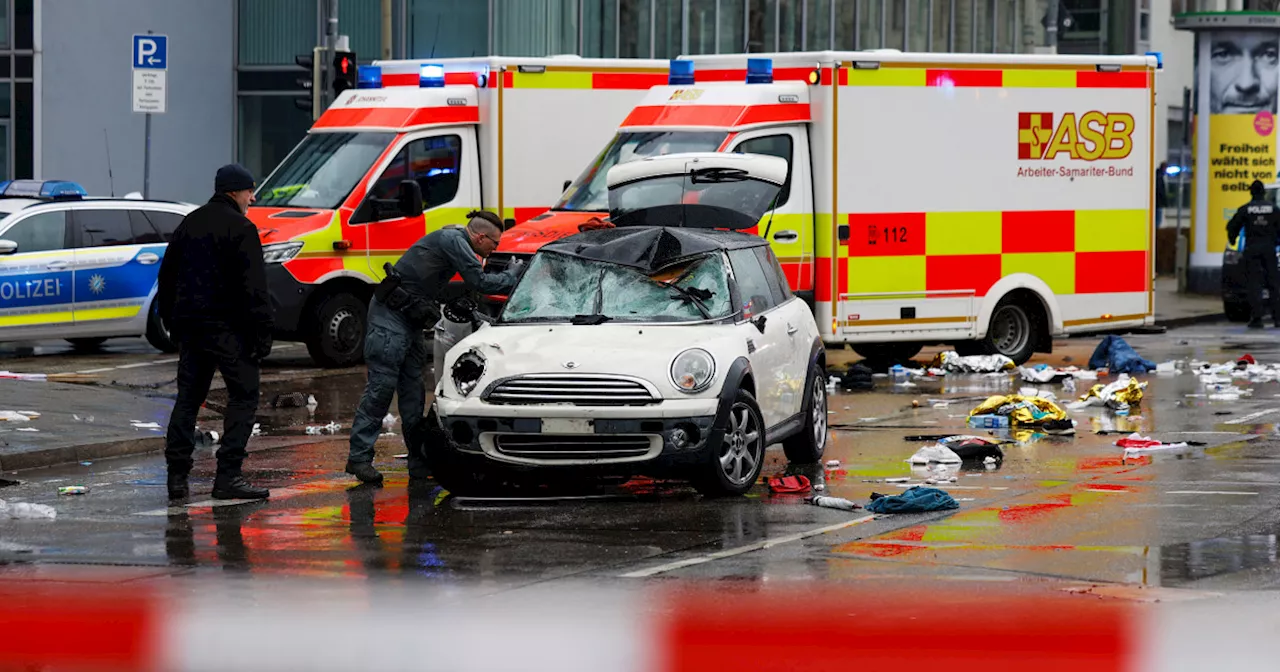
435,162
113,274
35,279
767,350
801,332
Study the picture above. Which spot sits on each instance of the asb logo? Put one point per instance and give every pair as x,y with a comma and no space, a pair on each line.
1092,136
686,95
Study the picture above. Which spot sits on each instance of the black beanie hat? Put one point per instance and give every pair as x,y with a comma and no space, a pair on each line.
232,177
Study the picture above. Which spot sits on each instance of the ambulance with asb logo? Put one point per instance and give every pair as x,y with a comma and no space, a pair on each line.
986,201
413,148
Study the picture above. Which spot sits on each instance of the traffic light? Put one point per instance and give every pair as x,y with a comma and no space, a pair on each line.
344,71
310,82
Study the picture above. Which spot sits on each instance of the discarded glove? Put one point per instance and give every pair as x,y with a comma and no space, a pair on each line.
914,500
1021,411
1115,354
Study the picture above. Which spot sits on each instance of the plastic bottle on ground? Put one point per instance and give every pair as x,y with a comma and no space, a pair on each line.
835,503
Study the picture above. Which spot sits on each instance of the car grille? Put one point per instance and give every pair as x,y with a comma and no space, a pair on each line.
578,390
573,446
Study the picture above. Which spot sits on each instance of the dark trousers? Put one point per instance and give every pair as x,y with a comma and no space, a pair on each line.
395,356
195,373
1261,273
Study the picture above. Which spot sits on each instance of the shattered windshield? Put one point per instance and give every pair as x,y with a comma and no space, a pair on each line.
322,170
561,288
590,192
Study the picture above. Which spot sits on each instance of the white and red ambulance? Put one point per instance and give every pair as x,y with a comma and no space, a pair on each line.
989,201
413,148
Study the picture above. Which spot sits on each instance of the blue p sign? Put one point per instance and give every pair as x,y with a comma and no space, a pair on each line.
151,52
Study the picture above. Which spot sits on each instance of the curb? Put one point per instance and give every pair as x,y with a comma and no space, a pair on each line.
1190,320
49,457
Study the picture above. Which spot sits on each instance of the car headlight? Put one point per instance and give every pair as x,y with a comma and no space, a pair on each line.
279,253
467,371
693,370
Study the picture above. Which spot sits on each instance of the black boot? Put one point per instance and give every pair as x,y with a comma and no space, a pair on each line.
178,488
236,487
364,471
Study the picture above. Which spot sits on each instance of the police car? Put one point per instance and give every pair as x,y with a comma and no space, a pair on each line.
80,268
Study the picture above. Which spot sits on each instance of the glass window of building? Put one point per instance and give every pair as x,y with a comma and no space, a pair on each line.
846,25
788,16
599,28
870,35
732,24
760,35
817,25
532,27
439,28
272,33
634,24
702,26
667,20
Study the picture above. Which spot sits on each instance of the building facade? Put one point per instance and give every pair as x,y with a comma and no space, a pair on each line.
65,105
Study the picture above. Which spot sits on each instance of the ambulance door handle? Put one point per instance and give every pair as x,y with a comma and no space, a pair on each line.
786,236
56,265
148,258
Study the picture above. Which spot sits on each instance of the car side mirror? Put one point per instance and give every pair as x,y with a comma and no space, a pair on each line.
565,186
759,322
410,198
8,247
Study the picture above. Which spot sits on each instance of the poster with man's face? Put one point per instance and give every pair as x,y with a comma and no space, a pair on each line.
1243,74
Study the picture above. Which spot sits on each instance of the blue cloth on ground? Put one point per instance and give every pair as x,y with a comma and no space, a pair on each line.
1120,357
914,500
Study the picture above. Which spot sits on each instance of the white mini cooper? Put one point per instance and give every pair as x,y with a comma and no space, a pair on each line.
669,351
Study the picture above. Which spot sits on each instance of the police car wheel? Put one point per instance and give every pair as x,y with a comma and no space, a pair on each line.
86,343
338,336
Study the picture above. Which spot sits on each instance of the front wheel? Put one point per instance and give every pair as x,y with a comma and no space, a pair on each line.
734,465
1012,331
338,339
807,446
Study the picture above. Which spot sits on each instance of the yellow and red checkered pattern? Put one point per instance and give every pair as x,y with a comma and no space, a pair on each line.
1072,251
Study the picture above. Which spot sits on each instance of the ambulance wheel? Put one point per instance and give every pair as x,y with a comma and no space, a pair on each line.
86,343
158,333
888,352
338,336
1236,311
1012,331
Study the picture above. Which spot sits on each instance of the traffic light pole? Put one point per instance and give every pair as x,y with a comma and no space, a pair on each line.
331,47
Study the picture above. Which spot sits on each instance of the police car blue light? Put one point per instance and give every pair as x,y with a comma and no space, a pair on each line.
46,189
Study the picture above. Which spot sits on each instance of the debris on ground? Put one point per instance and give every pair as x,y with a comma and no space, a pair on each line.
18,416
331,428
87,418
913,500
73,490
204,438
49,377
832,464
934,453
1043,373
1119,395
289,400
1135,444
257,429
784,485
7,482
858,377
1023,411
27,429
834,503
26,511
952,362
973,448
1117,356
138,424
389,422
312,404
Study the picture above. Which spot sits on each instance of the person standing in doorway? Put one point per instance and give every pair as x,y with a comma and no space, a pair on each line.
1162,193
213,297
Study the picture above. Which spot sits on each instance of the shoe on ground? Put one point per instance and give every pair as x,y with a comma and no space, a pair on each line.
178,487
237,488
364,471
1255,324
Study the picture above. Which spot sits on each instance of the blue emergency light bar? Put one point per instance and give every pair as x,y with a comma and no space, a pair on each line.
45,189
759,71
431,76
681,73
1159,59
368,77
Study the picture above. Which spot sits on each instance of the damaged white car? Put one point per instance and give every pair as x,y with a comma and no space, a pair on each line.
663,350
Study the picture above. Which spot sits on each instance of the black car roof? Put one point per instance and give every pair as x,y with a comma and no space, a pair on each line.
650,248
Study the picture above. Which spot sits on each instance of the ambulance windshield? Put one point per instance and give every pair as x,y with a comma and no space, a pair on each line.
590,192
322,170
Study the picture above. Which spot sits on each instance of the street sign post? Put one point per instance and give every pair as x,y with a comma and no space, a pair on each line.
150,61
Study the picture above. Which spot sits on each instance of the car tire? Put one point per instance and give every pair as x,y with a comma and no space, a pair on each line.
1012,331
807,445
1237,311
157,333
733,466
86,343
339,330
888,352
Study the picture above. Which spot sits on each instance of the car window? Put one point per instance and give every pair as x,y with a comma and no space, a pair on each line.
434,163
101,228
753,284
771,145
164,222
40,232
773,272
143,232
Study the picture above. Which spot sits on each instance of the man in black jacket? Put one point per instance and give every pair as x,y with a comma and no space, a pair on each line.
213,297
1260,221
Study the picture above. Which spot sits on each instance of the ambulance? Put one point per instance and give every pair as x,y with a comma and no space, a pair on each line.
991,202
414,147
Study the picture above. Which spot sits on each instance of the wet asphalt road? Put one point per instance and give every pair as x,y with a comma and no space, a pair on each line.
1065,511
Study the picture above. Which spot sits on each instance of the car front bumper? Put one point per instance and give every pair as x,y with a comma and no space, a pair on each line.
672,433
